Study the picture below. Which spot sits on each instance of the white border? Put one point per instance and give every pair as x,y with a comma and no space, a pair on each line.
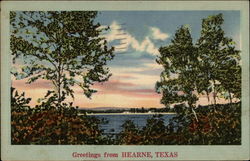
61,152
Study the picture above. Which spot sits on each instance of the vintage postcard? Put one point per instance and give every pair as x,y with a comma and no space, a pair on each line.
125,80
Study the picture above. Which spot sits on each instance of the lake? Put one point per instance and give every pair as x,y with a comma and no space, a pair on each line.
115,121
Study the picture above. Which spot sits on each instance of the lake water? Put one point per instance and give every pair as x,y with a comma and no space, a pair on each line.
115,121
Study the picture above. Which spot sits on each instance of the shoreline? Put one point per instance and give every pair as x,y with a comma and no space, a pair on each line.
163,113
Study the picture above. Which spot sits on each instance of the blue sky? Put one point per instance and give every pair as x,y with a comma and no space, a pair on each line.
138,24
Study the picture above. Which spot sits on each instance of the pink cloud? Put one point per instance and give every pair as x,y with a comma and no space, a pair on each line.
125,76
128,90
123,88
142,93
113,84
39,84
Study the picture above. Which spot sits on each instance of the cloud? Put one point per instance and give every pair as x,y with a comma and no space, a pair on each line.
157,34
102,27
39,84
124,76
117,87
126,40
153,65
138,93
113,84
144,69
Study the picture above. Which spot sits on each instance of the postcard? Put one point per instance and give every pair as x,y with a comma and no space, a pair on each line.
117,80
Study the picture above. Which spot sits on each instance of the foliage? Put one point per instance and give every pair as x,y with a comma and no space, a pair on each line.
179,60
64,47
52,126
220,126
130,135
153,131
19,101
219,64
215,127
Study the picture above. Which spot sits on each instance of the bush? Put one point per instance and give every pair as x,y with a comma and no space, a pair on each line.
219,125
53,126
130,135
216,125
155,132
49,125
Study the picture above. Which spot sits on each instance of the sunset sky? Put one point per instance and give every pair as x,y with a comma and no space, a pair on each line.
137,35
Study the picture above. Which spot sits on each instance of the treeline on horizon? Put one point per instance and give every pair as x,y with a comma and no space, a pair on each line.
130,110
63,46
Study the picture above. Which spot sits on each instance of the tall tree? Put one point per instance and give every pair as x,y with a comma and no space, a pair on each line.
219,60
179,60
210,66
64,47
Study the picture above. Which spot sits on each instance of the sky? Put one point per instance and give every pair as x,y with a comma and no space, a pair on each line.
136,36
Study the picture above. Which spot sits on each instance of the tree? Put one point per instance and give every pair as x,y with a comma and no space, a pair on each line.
64,47
179,60
219,65
210,66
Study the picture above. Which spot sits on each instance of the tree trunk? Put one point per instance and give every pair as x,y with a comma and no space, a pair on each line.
59,92
208,98
59,85
230,97
214,92
195,115
59,79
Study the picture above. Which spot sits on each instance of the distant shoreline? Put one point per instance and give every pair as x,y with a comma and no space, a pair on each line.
152,113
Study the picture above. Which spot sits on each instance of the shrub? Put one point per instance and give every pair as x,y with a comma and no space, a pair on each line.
53,126
49,125
130,135
219,125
